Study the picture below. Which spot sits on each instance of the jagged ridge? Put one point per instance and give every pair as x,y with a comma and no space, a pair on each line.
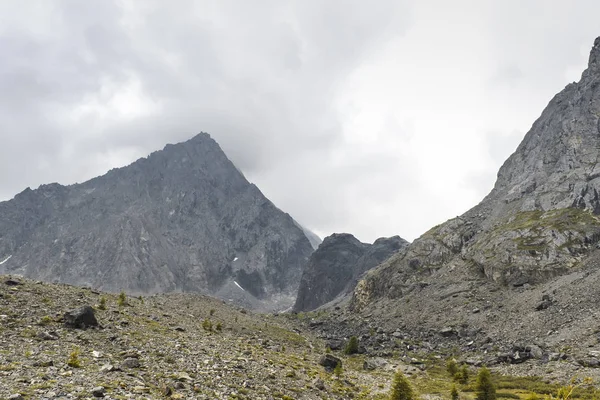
182,219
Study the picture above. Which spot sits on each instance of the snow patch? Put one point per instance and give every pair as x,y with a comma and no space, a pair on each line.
8,258
238,285
235,259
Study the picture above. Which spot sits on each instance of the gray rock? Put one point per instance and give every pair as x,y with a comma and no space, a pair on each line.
108,368
589,362
129,363
81,318
448,332
47,336
98,391
182,219
374,363
329,362
335,344
535,351
334,268
319,384
15,397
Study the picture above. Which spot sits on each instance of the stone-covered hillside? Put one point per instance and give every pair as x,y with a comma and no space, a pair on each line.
189,346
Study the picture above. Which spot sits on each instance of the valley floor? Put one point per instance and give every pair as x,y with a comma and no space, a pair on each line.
194,347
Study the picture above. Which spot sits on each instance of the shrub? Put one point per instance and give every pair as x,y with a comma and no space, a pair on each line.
484,387
212,312
73,360
219,327
207,325
337,371
401,388
452,367
122,301
462,376
102,305
352,346
45,320
454,393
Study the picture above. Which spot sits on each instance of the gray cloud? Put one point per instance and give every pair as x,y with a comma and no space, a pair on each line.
101,83
333,108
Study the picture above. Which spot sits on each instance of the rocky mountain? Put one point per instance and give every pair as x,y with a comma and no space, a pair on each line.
182,219
522,264
334,268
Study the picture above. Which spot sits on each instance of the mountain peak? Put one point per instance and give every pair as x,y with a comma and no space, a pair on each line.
542,218
182,219
594,61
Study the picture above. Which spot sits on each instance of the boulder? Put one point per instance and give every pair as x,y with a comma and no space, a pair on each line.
335,344
130,363
447,332
319,384
47,336
329,362
371,364
81,318
590,362
98,391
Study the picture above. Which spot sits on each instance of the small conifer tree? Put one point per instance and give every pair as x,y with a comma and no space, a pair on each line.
102,305
352,346
484,388
454,393
401,388
337,371
122,301
462,376
73,360
207,325
451,367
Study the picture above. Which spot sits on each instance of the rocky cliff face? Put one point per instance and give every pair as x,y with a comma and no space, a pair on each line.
517,276
182,219
333,269
540,221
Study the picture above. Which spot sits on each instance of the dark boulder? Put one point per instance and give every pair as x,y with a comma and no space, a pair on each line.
81,318
329,362
335,344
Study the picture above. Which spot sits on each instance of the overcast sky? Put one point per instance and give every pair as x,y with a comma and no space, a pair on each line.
376,118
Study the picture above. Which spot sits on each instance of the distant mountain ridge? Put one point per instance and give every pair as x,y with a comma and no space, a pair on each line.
337,264
182,219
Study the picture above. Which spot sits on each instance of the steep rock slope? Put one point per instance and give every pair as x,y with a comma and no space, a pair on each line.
334,268
182,219
524,264
540,220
